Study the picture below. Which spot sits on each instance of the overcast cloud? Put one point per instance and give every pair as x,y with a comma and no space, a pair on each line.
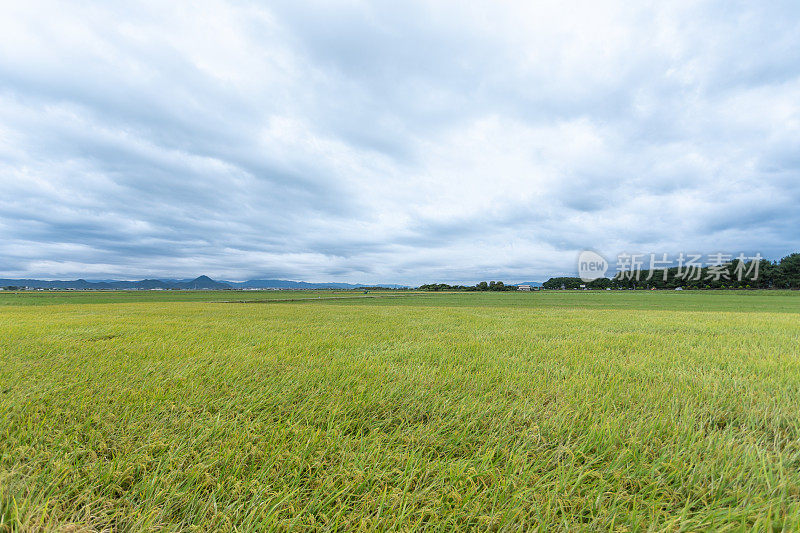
398,142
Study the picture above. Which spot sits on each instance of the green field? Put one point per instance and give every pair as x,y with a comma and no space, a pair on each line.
148,411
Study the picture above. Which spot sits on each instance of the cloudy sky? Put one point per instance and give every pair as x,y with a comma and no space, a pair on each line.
392,141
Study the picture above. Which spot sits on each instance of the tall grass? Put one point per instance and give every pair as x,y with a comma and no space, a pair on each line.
471,412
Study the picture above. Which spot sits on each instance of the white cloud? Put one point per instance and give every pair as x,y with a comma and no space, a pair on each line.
411,142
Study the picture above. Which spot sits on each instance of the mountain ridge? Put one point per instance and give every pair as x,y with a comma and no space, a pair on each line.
199,283
202,282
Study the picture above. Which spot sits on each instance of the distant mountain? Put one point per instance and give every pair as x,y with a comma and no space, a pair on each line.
531,283
199,283
202,282
286,284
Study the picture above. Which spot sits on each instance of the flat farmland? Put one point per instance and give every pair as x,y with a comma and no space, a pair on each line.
193,411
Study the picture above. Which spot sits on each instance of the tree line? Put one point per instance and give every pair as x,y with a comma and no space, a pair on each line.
783,274
482,286
735,274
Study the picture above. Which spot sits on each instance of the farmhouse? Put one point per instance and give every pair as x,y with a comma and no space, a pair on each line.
523,287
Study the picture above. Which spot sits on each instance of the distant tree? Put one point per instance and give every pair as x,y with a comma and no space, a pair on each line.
599,283
767,274
565,282
496,286
788,275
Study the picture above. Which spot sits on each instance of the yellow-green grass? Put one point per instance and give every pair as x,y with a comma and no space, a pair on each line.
94,297
561,410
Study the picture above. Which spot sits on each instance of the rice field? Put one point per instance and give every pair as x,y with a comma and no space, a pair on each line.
193,411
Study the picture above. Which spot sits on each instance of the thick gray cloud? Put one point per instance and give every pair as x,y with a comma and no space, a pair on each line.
392,142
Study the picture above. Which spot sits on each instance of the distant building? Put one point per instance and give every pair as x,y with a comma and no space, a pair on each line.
523,287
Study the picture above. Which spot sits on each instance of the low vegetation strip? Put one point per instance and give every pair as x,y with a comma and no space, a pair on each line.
563,411
318,298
